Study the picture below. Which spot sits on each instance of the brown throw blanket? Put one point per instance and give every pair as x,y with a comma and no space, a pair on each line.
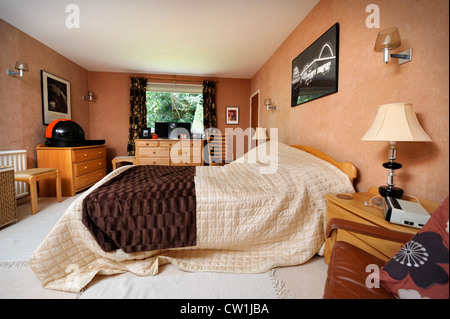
144,208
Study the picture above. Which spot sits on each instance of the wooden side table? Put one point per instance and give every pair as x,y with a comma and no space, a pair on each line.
351,207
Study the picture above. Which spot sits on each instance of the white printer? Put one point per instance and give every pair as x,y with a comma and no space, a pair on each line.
404,212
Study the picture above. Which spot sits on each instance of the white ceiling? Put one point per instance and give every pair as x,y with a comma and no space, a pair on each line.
223,38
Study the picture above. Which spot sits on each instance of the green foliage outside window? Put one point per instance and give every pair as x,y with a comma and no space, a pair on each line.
175,107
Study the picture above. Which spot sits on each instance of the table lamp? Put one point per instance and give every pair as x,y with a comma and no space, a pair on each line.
395,123
260,136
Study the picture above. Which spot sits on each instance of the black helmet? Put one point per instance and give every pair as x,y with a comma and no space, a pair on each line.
64,133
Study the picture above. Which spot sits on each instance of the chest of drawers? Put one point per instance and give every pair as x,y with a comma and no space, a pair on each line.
80,167
169,152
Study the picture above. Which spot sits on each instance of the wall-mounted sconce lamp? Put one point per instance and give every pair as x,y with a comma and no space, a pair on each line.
268,103
21,66
389,39
89,97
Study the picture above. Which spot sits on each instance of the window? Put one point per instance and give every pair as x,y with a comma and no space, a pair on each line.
181,103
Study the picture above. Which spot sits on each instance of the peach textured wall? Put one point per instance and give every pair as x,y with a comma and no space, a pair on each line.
109,115
21,125
336,123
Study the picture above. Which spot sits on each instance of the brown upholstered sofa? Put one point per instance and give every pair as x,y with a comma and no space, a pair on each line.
426,275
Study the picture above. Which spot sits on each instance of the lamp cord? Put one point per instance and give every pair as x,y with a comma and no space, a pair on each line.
370,201
369,204
418,201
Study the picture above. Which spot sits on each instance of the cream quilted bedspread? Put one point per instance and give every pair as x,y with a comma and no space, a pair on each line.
247,222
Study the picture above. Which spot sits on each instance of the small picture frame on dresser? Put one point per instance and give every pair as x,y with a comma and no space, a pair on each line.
145,133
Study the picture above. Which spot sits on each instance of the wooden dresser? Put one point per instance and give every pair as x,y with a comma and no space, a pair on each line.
169,152
80,167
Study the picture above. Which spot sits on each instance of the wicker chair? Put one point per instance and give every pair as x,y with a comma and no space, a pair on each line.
8,207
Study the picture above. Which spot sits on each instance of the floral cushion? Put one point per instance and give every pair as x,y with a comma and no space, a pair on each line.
421,268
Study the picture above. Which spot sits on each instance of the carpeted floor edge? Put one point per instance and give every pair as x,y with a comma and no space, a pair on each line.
14,264
278,284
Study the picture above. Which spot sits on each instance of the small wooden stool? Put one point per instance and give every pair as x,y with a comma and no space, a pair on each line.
120,159
33,175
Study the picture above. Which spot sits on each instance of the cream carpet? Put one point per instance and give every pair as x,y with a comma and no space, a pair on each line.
18,241
184,286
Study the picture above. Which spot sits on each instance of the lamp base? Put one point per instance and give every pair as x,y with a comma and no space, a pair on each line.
389,191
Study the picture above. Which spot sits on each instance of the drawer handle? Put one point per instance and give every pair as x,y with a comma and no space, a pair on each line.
85,155
85,167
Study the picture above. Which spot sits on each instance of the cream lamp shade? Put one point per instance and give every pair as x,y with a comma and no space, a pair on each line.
396,122
260,134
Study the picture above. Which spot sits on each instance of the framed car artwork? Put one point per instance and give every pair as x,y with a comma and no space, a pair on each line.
315,70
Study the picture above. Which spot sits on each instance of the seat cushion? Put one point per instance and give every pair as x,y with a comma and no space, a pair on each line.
32,171
421,268
348,277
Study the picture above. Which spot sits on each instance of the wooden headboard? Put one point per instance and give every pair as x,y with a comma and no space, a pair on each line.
348,168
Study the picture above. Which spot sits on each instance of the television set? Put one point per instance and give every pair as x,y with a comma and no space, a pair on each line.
162,129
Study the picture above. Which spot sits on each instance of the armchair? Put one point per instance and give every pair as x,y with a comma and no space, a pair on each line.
419,270
347,273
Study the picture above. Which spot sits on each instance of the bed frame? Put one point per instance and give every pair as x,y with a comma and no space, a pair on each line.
348,168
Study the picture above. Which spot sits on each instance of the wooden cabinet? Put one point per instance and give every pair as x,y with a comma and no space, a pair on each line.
80,167
351,207
169,152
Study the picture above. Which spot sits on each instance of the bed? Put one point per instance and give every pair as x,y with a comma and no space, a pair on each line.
249,218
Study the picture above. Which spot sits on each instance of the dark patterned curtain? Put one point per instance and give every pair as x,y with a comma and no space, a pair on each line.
138,111
209,104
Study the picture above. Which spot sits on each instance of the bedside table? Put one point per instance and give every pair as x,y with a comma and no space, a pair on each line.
351,207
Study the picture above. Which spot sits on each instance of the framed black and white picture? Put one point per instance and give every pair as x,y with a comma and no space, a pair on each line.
55,98
315,70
